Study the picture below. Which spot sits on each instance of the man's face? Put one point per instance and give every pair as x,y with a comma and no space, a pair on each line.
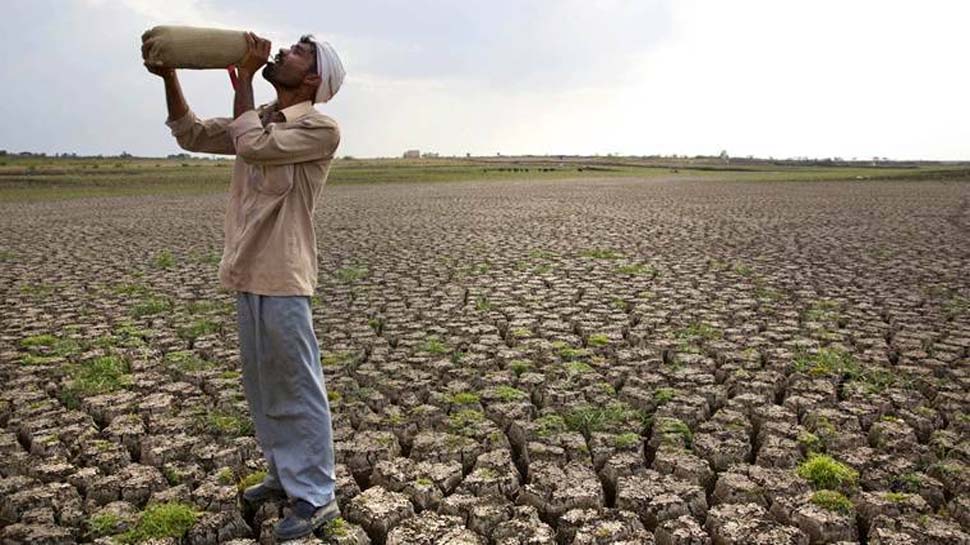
289,66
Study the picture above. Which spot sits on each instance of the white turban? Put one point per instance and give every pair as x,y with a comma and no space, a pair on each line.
330,70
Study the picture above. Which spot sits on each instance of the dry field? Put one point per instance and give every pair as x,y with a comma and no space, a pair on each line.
668,359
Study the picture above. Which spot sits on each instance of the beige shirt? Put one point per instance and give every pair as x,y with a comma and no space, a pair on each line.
278,175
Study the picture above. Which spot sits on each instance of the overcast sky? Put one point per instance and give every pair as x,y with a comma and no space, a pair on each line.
782,78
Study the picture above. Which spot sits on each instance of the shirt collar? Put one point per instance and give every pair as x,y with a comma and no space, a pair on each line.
296,111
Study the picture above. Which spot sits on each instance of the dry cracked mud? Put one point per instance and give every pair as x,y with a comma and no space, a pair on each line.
544,362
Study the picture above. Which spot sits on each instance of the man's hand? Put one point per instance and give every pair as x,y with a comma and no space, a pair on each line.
158,70
163,72
256,55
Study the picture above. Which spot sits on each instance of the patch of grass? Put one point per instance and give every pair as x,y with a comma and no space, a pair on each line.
578,367
542,254
761,291
521,332
822,311
956,306
226,476
626,440
172,475
7,256
543,268
663,395
601,253
128,289
598,339
331,359
637,269
39,289
567,352
606,387
810,442
161,520
550,424
333,528
743,270
896,497
221,422
187,361
620,304
198,328
482,304
465,420
99,376
829,362
34,359
911,482
351,273
825,472
699,330
151,306
508,393
252,479
590,419
832,500
519,366
45,339
465,398
433,345
103,524
675,427
163,260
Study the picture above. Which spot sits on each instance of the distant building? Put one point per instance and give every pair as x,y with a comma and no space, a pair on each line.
412,154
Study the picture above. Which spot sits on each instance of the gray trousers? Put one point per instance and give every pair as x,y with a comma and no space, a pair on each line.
287,396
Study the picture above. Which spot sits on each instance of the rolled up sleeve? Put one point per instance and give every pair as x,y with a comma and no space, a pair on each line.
280,144
204,136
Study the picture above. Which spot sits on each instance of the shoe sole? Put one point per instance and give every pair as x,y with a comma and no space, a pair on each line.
321,517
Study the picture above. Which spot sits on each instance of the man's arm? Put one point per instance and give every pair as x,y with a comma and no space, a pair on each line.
256,56
191,133
273,145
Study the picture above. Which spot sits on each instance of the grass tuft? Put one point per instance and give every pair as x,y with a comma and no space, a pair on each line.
162,520
832,500
825,472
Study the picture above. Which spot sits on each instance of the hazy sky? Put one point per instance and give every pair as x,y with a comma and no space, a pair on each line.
782,78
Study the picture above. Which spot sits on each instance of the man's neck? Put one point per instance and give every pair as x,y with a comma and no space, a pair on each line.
288,97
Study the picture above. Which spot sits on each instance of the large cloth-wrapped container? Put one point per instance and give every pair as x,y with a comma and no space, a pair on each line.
193,47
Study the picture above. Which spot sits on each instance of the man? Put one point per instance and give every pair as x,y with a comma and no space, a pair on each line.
283,152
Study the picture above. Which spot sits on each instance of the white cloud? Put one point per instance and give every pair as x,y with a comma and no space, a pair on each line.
760,77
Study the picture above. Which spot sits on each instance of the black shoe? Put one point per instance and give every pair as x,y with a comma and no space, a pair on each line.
260,492
304,519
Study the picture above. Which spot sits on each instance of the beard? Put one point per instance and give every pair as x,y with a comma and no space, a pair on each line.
274,73
269,71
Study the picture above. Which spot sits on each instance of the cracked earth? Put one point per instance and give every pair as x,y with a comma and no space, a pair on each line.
546,362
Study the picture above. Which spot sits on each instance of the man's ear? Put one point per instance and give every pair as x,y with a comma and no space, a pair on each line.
311,80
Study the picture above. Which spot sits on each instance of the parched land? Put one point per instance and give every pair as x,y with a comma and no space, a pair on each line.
680,358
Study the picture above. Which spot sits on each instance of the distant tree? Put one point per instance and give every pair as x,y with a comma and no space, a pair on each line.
724,156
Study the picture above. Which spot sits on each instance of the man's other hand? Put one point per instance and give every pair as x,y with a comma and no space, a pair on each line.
256,55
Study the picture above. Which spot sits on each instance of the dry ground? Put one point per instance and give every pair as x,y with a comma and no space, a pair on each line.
575,362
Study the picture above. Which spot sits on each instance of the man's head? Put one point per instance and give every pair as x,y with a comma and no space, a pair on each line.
295,68
308,67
